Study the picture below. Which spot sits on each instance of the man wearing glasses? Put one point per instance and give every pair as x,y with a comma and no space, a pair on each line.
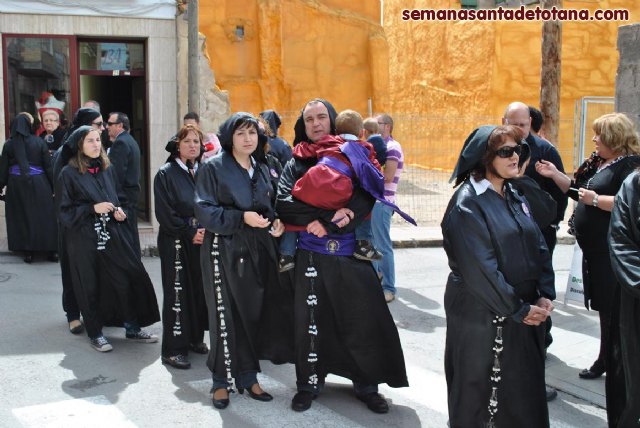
381,214
124,154
518,114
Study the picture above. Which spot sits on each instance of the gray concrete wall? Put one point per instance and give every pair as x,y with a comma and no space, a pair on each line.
628,76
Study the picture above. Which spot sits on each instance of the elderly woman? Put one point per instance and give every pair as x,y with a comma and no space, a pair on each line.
52,135
25,170
234,202
499,291
596,182
624,243
110,282
184,310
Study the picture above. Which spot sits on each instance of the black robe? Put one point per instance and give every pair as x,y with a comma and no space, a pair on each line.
111,285
125,157
29,209
174,191
623,374
499,265
256,308
356,335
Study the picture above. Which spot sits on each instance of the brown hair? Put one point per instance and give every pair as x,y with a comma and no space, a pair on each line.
618,133
370,124
496,139
81,161
349,122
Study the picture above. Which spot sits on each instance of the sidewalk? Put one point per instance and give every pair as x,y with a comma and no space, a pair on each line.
404,236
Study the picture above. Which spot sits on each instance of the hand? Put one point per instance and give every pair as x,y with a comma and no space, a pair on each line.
545,303
198,238
253,219
546,168
119,214
104,207
536,316
277,229
586,196
342,217
316,228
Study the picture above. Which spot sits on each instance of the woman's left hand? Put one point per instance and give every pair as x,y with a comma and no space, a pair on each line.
277,229
586,196
119,215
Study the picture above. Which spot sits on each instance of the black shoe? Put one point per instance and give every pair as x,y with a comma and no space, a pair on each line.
221,403
366,251
590,373
199,348
286,263
28,258
263,396
76,327
302,401
178,361
53,257
552,393
375,402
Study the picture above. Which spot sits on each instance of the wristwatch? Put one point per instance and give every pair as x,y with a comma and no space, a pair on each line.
595,201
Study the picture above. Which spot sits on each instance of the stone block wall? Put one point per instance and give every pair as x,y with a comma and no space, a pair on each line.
628,78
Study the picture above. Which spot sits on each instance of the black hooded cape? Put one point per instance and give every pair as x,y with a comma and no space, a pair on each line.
29,209
256,308
279,147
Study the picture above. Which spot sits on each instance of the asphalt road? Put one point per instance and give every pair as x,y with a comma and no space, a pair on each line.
51,378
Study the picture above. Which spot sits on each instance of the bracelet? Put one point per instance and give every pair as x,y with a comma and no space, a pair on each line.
595,201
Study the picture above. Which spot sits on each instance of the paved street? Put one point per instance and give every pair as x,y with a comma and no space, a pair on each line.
51,378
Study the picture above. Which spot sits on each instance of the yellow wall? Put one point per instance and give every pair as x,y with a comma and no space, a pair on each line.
293,51
439,80
449,77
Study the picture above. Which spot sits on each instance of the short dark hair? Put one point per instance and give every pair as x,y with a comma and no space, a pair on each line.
536,119
192,115
497,137
122,118
227,145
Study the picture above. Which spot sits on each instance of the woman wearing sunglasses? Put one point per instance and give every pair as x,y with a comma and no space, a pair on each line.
499,291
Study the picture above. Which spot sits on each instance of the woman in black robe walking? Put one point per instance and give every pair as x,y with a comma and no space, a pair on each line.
25,170
110,282
184,310
249,312
499,291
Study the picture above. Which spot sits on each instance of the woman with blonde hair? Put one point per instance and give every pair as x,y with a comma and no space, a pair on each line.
594,186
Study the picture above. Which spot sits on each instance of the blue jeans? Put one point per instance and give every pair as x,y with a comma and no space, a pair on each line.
381,228
245,380
364,232
288,243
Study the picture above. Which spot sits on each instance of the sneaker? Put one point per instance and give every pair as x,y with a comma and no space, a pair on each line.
389,296
286,263
101,344
142,336
366,251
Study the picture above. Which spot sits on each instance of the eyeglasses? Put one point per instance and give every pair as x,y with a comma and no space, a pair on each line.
112,123
507,152
98,124
382,123
516,124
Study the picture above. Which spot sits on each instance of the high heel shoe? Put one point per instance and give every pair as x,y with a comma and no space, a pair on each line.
263,396
221,403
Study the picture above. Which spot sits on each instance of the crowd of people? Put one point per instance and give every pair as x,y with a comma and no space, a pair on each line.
273,250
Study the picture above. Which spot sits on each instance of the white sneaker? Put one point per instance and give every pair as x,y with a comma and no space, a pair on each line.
389,296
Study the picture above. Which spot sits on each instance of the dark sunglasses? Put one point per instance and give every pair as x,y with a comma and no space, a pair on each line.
507,152
112,123
98,124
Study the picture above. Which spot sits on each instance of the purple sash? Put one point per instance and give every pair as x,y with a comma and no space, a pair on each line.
33,170
330,245
336,164
370,178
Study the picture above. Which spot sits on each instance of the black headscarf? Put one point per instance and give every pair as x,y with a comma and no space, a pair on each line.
228,127
20,131
72,143
299,129
82,117
473,149
273,119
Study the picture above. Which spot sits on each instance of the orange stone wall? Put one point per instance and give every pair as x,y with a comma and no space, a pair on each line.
439,80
